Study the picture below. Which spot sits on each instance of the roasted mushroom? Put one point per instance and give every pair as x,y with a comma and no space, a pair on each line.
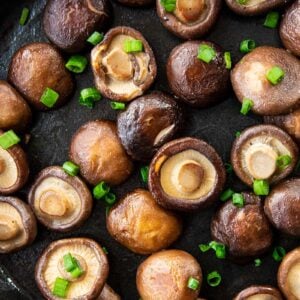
123,64
15,113
186,174
288,276
136,2
196,82
258,151
17,225
68,24
259,292
60,202
165,276
282,206
140,224
80,254
250,80
148,123
234,227
191,18
36,67
289,28
97,149
108,294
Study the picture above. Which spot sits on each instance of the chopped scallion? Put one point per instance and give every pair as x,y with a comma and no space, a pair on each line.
242,1
133,46
70,168
8,139
237,134
220,249
69,262
257,262
193,283
214,278
60,288
238,200
105,250
49,97
206,53
246,106
144,173
110,198
283,161
278,253
227,194
89,96
169,5
228,168
77,272
100,190
275,75
228,61
95,38
24,16
247,46
77,64
117,105
261,187
272,19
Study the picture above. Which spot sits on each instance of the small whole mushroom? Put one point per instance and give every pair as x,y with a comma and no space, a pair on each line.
259,292
136,2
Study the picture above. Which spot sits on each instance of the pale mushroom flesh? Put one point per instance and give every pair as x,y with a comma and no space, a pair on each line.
190,11
293,280
252,2
8,170
262,297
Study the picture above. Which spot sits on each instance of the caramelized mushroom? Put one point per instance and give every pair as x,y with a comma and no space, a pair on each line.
165,275
148,123
136,2
234,227
17,224
249,80
59,201
259,292
288,276
194,81
186,174
108,294
140,224
38,66
68,24
89,256
191,18
97,149
256,151
120,75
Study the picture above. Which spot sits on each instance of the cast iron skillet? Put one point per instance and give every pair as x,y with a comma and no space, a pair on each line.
51,134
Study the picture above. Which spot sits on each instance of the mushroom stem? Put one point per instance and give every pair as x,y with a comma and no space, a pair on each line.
51,203
189,11
9,228
66,275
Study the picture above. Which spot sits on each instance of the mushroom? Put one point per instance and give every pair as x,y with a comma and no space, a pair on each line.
186,174
141,225
249,81
282,206
148,123
17,224
165,275
255,154
91,260
120,75
194,81
68,24
36,67
288,275
290,28
97,149
259,292
136,2
234,227
60,202
108,294
15,113
191,18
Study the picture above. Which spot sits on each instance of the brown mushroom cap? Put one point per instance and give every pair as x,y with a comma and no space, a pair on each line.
119,75
17,224
97,149
38,66
259,292
282,206
165,275
136,2
186,174
60,202
148,123
233,227
288,275
290,28
249,81
196,82
15,113
140,224
254,154
191,18
108,293
91,258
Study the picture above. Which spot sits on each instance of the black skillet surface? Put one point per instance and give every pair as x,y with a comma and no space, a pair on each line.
51,134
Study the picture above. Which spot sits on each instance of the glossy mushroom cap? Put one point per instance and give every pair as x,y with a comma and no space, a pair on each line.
68,24
120,75
164,275
259,292
17,224
255,152
136,2
191,18
194,81
249,80
282,206
140,224
38,66
91,259
186,174
233,227
60,202
147,123
97,149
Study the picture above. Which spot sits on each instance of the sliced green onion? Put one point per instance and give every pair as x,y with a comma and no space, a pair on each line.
206,53
24,16
71,168
193,283
246,106
117,105
272,19
257,262
100,190
77,272
275,75
242,1
77,64
133,46
8,139
227,194
220,249
105,250
88,96
278,253
60,288
107,209
204,247
283,161
238,200
110,198
261,187
228,168
144,173
95,38
228,61
214,278
49,97
238,134
247,46
169,5
69,262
